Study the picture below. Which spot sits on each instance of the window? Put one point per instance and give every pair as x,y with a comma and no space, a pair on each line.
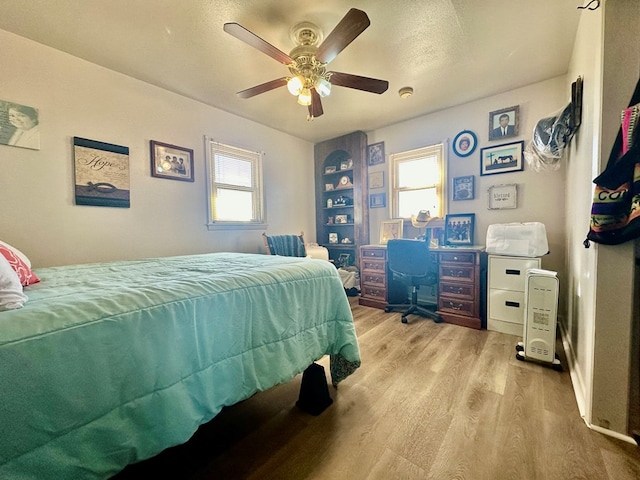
234,186
418,182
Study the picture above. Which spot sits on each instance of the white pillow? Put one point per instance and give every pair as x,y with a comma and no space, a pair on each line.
11,293
18,253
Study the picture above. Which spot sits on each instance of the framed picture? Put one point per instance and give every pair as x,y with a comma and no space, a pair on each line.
375,153
344,260
19,125
458,229
328,186
463,188
390,229
376,180
346,164
330,169
465,143
342,218
504,123
333,238
172,162
377,200
503,196
501,158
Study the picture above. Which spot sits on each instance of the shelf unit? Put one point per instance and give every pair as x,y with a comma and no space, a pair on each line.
342,210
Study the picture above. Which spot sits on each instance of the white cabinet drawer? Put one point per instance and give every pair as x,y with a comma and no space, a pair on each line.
506,305
509,272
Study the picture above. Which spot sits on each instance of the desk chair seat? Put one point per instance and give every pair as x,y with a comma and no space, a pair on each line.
411,263
285,245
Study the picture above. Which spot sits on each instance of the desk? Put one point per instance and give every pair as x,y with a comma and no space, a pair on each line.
462,274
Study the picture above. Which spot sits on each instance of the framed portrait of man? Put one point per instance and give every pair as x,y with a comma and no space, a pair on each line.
504,123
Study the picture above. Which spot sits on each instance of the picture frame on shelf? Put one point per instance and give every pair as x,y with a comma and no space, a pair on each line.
171,162
330,169
333,238
390,229
328,187
502,158
376,180
459,229
377,200
465,143
503,197
504,123
346,164
342,218
375,153
463,188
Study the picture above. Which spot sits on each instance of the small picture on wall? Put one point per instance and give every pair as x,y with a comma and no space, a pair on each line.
377,200
465,143
171,162
504,123
375,153
19,125
463,188
501,158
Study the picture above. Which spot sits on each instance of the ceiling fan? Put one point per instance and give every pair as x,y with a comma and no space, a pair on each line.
307,62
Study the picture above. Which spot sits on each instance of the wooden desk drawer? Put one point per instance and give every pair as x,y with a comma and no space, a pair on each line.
464,291
457,257
455,305
379,253
457,273
369,291
373,265
373,278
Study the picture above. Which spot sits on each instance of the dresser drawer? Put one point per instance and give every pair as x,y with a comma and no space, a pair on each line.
456,305
373,265
506,305
457,273
464,291
509,273
457,257
369,291
379,253
374,278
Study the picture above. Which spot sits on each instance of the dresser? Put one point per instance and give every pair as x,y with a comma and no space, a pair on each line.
505,292
461,275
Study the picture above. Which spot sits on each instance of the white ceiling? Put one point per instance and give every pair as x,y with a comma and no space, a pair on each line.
450,51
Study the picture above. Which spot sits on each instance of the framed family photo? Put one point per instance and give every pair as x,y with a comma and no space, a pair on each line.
504,123
465,143
501,158
390,229
458,229
171,162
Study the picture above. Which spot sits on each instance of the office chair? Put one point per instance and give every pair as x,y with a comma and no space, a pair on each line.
285,245
410,262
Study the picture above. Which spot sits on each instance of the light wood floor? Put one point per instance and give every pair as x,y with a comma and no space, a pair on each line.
431,401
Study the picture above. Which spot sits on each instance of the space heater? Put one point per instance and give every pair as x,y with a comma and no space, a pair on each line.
540,318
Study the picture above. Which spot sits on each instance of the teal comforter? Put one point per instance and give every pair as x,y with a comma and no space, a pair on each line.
108,364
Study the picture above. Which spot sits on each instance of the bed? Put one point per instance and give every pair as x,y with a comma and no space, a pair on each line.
108,364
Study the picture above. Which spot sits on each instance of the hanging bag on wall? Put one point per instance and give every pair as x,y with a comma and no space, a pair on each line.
615,211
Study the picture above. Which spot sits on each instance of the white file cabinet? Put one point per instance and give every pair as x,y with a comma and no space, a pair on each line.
505,292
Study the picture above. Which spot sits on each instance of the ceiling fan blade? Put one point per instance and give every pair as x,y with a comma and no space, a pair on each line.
315,109
352,24
255,41
263,87
366,84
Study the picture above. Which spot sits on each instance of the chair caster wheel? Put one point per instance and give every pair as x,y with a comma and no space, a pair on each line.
438,320
387,309
404,319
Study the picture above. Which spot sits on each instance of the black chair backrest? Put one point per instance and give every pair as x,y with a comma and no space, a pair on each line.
409,257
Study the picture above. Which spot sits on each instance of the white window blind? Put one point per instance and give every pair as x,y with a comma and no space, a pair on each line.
235,185
418,181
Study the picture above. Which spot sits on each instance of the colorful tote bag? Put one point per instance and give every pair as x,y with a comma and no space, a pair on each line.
615,211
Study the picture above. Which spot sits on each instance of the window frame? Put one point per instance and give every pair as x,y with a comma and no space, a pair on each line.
396,159
213,148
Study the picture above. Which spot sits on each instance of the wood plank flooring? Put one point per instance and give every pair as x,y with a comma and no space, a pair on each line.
431,401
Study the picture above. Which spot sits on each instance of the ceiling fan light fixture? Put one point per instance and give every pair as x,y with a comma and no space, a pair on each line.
305,97
295,85
323,87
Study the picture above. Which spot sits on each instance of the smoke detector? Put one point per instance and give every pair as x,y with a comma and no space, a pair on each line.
405,92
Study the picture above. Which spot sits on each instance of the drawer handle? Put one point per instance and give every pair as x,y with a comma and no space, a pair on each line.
459,273
512,304
455,307
511,271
